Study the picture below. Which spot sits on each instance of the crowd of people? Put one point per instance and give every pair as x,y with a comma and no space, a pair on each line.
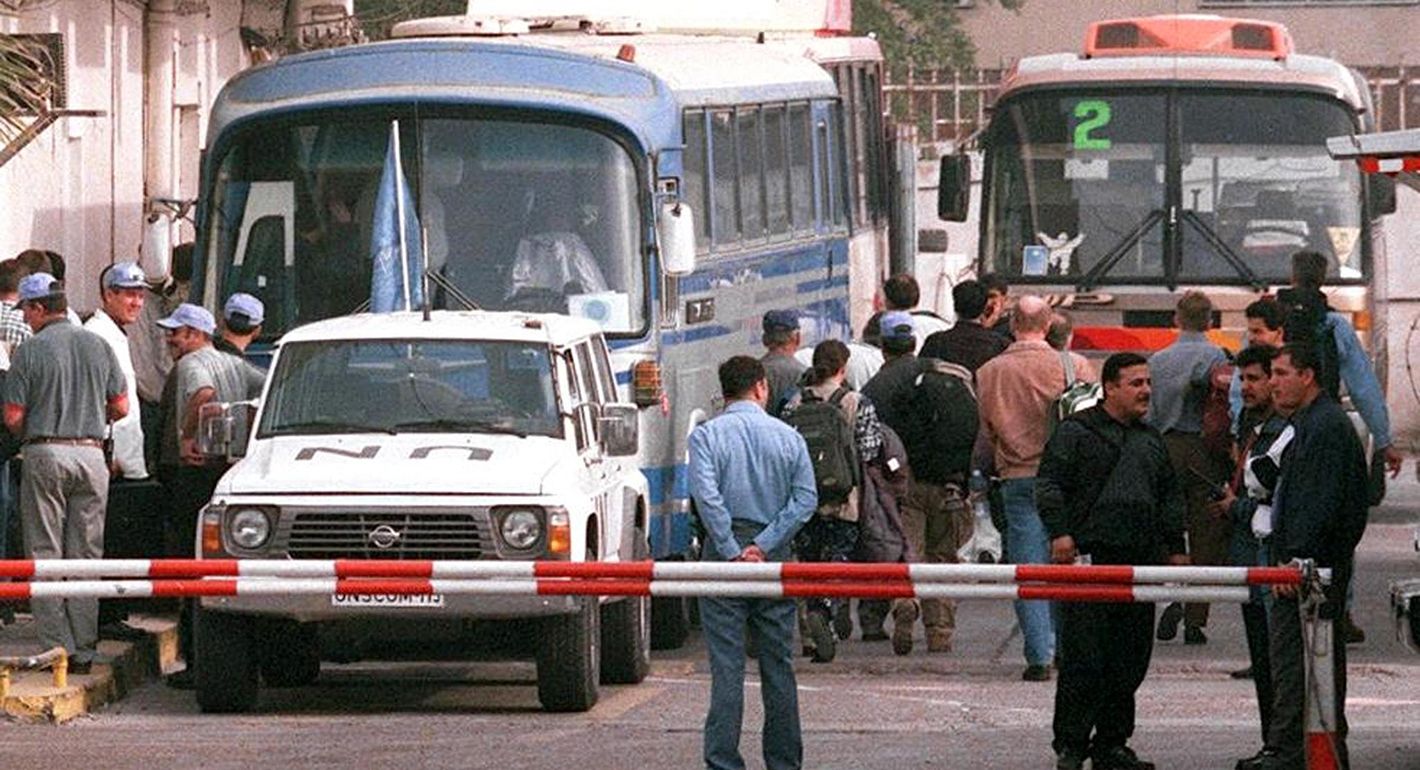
876,450
100,455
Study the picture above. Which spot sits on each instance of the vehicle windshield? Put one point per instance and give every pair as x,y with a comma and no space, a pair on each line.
407,386
517,215
1078,188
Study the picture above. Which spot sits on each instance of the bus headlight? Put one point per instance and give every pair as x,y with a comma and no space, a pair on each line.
521,528
249,528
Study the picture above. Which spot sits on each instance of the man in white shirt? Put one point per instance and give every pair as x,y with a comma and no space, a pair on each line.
129,521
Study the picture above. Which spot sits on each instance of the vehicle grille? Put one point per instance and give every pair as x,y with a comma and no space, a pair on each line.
420,535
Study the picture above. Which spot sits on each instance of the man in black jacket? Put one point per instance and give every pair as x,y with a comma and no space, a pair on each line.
1107,491
1318,512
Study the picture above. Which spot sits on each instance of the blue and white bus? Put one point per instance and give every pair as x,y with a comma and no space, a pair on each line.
542,168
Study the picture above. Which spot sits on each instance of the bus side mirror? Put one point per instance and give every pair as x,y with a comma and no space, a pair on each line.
676,229
954,188
1380,193
224,429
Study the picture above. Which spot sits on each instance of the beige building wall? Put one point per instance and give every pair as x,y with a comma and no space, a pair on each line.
1354,33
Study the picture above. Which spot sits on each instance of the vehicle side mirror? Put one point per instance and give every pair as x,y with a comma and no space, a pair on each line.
676,229
954,188
224,429
619,428
1380,192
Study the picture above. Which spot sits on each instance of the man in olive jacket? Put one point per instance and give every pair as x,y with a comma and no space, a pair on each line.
1107,491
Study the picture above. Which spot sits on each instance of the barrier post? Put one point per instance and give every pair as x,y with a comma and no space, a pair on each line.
1319,667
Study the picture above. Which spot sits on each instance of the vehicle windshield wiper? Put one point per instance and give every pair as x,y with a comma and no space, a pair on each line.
1224,250
1117,253
472,426
328,426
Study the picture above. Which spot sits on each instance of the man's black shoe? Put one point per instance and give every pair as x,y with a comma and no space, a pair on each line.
825,646
1168,622
1194,635
1242,673
1070,759
1036,673
119,631
1257,761
1118,758
182,680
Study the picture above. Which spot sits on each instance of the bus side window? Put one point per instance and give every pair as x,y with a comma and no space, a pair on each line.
693,180
776,169
726,205
801,173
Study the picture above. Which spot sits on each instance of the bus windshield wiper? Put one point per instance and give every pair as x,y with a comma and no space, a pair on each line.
1224,250
471,426
1114,255
328,426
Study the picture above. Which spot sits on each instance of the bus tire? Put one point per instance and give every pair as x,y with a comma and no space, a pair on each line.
670,622
290,654
626,632
226,676
568,661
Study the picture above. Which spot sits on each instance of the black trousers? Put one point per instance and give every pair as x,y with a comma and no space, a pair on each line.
1287,733
1255,623
188,489
133,529
1104,655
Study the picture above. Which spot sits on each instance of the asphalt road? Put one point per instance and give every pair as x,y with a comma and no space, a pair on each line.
868,709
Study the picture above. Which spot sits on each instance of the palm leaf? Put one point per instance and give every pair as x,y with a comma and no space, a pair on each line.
25,86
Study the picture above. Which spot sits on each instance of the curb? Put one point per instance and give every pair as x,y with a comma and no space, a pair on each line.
34,699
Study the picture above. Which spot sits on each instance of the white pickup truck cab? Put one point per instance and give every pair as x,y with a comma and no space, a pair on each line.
471,435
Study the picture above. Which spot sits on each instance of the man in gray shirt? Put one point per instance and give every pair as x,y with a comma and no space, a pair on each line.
1180,376
65,385
781,336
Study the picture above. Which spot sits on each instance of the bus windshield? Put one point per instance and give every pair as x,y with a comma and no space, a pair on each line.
1081,183
517,215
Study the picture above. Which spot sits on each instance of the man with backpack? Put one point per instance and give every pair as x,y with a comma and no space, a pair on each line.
842,432
1341,360
968,343
1182,376
930,404
1019,391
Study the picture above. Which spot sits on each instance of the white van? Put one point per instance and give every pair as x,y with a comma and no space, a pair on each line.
471,435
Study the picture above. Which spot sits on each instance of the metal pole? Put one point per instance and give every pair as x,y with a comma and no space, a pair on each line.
903,234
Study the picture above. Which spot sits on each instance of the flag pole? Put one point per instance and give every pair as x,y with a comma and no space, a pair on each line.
399,212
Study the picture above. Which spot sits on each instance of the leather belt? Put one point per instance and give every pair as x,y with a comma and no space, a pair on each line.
93,442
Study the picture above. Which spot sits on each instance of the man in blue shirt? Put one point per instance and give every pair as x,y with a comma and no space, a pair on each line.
753,487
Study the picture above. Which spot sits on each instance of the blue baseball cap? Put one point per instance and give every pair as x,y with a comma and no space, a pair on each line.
781,321
896,325
125,275
38,286
244,304
191,316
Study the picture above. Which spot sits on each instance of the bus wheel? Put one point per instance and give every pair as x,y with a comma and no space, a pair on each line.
626,633
226,674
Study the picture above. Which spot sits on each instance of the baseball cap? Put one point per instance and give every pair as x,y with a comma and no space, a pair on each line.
125,275
39,286
896,325
244,304
781,320
192,316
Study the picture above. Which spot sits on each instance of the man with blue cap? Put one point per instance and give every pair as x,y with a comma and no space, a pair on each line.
241,323
781,337
65,385
202,374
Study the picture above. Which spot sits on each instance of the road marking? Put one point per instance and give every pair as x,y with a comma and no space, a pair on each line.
624,700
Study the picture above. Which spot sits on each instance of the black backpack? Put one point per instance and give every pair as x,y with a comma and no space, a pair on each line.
1305,323
944,422
829,435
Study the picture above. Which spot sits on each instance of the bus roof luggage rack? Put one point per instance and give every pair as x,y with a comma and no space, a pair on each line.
1184,34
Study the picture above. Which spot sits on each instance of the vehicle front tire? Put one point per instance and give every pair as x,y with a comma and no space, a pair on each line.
670,622
568,659
626,633
226,676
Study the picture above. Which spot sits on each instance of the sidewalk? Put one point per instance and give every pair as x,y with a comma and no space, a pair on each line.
33,696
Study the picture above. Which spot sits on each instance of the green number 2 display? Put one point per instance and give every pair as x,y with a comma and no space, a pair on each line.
1093,115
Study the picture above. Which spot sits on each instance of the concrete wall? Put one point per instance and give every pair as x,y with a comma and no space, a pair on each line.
1355,34
78,188
1402,233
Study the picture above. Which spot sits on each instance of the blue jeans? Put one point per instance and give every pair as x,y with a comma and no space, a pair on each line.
9,502
1027,543
771,621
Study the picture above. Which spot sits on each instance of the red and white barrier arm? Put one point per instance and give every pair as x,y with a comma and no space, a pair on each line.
271,586
918,574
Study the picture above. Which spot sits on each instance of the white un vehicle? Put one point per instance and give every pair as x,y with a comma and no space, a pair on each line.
471,435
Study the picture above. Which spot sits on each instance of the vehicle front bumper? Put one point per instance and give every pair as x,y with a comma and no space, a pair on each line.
311,608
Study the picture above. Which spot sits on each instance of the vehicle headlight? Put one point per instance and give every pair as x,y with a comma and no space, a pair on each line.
521,528
250,528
